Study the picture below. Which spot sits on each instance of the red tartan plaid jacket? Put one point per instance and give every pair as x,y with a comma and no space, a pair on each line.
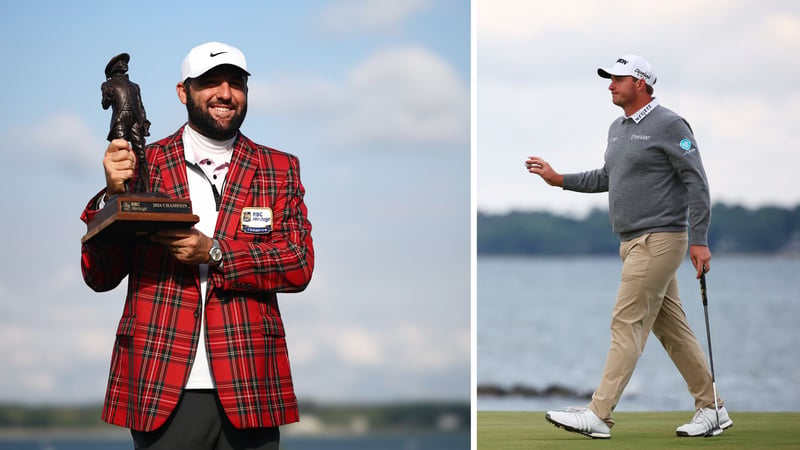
160,325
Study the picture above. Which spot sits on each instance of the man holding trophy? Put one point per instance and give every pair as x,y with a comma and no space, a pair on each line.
200,358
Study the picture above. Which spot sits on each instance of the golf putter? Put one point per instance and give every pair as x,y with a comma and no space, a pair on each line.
718,430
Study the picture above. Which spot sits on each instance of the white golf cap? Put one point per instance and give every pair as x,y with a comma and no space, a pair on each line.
630,65
206,56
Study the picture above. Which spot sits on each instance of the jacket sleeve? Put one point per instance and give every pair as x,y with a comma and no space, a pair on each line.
103,265
285,262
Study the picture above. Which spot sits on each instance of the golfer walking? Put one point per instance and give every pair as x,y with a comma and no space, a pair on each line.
659,205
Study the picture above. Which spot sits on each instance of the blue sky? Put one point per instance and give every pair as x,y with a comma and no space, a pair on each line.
372,96
728,66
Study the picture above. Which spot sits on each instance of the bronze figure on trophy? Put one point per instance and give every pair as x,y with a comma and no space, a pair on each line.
128,117
138,211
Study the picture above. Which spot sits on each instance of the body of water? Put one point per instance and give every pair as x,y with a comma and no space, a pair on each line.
544,321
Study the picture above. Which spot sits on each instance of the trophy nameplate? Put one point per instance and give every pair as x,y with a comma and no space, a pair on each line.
133,213
127,215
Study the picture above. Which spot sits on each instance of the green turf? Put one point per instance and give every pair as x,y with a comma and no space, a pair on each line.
637,430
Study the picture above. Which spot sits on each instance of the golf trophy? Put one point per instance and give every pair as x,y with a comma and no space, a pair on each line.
133,213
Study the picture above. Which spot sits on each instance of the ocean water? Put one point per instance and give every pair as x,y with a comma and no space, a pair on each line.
545,321
410,441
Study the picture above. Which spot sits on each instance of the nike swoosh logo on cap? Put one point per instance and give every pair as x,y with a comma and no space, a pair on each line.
216,54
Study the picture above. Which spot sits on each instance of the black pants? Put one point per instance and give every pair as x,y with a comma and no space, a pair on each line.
199,423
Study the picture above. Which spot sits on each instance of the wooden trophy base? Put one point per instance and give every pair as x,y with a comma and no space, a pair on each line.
131,214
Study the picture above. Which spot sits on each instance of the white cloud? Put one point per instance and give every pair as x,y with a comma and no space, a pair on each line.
397,96
62,335
304,95
408,92
358,347
355,16
63,279
42,383
538,93
94,343
43,361
513,20
401,346
430,350
64,138
783,29
742,138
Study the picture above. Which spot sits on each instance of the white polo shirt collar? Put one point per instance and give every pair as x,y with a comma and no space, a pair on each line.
642,113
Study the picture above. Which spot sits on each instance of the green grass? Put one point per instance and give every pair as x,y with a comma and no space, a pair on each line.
637,430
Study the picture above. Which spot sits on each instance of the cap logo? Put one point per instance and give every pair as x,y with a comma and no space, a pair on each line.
622,61
642,74
205,57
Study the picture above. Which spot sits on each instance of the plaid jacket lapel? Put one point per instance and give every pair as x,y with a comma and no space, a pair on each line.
244,163
171,166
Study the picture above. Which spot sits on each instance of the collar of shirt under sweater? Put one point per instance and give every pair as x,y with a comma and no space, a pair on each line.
642,113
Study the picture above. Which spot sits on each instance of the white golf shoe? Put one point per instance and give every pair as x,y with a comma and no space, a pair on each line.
705,420
580,420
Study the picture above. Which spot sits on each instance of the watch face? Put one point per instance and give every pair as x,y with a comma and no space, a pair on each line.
215,253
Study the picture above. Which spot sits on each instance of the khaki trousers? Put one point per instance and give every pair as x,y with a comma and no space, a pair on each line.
648,301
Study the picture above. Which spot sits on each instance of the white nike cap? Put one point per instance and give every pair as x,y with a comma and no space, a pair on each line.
630,65
206,56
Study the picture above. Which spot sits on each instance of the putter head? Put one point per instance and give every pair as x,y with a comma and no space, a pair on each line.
713,432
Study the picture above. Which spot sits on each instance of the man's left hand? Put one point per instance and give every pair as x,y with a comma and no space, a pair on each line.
701,258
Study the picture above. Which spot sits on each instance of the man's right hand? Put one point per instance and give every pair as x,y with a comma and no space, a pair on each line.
540,167
119,163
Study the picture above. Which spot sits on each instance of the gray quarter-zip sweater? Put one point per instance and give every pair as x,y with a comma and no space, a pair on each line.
654,176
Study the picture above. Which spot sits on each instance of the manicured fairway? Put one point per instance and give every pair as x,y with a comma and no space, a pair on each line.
637,430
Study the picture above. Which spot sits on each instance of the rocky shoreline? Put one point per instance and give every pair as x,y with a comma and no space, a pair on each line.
521,390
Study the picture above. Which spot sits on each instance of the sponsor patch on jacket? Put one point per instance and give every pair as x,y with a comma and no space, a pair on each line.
256,220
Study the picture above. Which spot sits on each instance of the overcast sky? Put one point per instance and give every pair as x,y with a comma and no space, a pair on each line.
372,96
729,67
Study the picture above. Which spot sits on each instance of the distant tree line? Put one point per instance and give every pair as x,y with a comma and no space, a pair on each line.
419,415
734,229
16,415
397,416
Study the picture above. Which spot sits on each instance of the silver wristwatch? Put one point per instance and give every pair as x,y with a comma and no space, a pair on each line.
215,254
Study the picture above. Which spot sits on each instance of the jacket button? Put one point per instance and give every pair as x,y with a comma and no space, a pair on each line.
196,314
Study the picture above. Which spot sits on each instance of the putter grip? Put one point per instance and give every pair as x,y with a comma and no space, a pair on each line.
703,289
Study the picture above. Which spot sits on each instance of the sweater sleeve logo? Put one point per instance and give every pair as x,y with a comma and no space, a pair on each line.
686,145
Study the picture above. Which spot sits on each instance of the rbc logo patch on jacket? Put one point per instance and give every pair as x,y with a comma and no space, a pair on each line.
256,220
